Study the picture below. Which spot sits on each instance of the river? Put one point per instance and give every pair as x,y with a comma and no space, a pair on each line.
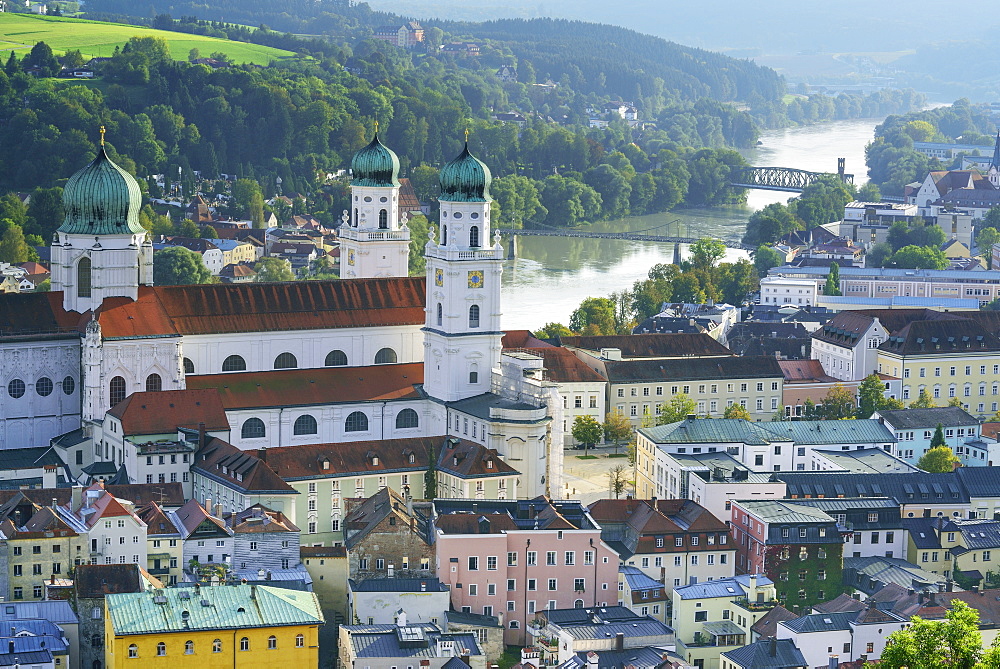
552,275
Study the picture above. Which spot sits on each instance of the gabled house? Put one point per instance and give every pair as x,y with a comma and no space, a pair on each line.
386,537
206,540
164,545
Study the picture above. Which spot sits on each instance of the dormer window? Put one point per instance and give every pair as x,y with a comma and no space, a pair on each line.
489,464
324,463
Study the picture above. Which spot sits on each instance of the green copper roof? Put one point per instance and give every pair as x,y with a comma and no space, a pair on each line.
375,165
211,608
465,179
102,199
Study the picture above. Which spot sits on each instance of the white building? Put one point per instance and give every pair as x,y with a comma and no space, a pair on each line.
847,346
786,291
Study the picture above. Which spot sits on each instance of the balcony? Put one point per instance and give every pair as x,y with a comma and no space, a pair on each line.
373,235
747,605
159,571
721,633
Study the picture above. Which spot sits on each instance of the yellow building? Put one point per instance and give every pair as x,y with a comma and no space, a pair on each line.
37,558
213,627
947,358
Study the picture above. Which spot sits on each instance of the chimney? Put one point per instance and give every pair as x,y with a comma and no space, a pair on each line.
208,504
77,498
772,649
10,646
262,454
218,510
620,641
201,435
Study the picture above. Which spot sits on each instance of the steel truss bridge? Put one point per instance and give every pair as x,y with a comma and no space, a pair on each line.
786,179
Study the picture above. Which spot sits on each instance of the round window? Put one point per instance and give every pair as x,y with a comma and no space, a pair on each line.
458,214
383,199
444,214
16,388
44,386
474,214
355,198
368,198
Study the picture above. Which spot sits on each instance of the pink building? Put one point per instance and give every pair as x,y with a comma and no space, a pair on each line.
514,558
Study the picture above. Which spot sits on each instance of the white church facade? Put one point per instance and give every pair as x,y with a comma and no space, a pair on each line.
375,356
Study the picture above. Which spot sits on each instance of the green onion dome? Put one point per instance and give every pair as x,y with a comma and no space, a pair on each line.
102,199
376,166
465,179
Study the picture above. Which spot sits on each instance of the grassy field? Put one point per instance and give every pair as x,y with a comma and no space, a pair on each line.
20,32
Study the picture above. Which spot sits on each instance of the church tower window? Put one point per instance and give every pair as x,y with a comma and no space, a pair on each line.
474,236
83,277
444,235
440,314
385,356
383,219
154,383
474,316
117,390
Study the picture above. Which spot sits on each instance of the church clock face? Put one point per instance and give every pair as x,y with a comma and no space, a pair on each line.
439,277
350,257
476,278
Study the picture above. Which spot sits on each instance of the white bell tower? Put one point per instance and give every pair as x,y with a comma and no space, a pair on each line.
462,335
374,239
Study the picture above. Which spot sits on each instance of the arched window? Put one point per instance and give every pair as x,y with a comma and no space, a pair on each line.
117,388
440,314
188,366
253,428
244,644
83,277
189,647
407,418
356,422
304,424
336,358
474,236
578,604
154,383
234,363
161,648
383,219
474,316
286,361
300,641
44,386
217,646
133,650
444,235
68,385
385,356
272,642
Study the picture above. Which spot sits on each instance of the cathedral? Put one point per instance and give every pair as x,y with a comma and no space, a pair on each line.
375,356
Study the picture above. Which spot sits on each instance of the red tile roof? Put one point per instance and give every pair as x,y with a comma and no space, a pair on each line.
304,387
562,366
522,339
157,522
165,411
804,371
238,468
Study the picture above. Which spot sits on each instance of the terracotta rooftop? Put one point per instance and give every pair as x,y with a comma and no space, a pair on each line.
562,365
241,469
304,387
804,371
192,515
157,521
466,459
164,411
522,339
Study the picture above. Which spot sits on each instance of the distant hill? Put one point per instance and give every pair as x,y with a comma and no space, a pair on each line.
21,31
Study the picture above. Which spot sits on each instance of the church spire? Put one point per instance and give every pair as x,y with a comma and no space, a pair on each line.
995,163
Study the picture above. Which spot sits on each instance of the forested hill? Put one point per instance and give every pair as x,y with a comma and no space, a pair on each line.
591,58
632,60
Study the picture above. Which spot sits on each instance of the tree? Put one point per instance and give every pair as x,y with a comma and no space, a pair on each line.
956,402
41,56
923,401
248,201
932,644
838,404
878,255
587,431
595,315
273,269
178,266
871,396
736,411
552,330
869,193
618,480
678,408
766,257
991,219
706,252
430,476
938,460
13,248
617,428
832,287
918,257
937,440
985,239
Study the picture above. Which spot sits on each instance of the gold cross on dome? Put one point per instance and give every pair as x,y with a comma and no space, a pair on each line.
102,135
466,135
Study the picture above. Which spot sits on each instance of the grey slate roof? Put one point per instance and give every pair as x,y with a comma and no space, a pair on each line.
814,432
476,619
719,430
637,580
734,587
565,617
835,505
758,655
821,622
399,585
870,574
640,627
980,481
785,511
693,369
928,419
645,657
917,486
867,461
30,458
383,641
922,532
57,611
